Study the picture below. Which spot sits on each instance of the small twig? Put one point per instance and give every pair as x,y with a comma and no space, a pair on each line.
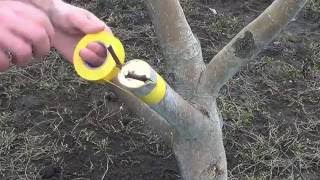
132,75
115,57
106,171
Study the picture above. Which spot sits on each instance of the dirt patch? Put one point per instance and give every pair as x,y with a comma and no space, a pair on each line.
53,125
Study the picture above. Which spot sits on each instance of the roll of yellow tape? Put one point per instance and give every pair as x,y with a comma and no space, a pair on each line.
157,94
108,70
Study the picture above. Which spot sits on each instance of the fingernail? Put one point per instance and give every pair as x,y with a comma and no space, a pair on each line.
101,23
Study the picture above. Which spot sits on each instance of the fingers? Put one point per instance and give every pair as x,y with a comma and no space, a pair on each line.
44,23
91,57
36,16
95,54
71,24
22,51
66,43
25,32
98,48
4,61
86,22
108,29
39,39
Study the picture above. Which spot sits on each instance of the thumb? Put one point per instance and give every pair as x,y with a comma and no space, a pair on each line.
65,44
87,22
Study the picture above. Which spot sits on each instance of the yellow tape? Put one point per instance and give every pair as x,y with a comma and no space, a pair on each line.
108,70
157,94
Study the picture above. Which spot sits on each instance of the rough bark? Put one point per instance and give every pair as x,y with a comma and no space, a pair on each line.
155,121
203,158
247,44
181,49
198,143
200,158
197,140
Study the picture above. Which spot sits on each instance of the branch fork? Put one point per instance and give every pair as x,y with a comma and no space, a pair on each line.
195,133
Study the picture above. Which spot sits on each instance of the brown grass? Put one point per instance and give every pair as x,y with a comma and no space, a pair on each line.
55,125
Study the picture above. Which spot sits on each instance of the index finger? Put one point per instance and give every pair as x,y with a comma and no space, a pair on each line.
39,17
86,22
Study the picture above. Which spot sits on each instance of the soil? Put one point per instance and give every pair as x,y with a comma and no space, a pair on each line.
53,125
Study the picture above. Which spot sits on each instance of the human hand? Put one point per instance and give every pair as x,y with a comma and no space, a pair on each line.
71,24
25,32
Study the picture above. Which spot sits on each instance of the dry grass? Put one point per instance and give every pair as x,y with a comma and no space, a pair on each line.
53,124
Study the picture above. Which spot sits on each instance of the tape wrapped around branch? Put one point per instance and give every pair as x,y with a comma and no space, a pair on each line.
139,78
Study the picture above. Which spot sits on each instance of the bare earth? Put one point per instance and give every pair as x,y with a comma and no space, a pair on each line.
53,125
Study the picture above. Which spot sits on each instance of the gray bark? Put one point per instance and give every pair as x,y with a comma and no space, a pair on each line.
155,121
247,44
181,49
198,143
195,125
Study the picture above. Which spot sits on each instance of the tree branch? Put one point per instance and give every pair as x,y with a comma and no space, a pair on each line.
187,120
198,143
181,49
247,44
158,124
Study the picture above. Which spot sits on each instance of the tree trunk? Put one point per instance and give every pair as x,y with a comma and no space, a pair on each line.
247,44
198,142
181,49
189,118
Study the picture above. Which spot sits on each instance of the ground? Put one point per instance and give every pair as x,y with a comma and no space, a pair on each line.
53,125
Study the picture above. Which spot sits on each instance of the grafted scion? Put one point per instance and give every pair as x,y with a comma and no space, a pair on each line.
114,56
133,75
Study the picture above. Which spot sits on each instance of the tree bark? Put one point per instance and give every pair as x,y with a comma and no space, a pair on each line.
198,143
203,158
183,117
247,44
155,121
181,49
196,128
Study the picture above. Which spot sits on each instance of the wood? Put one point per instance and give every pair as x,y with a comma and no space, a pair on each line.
158,124
181,49
247,44
198,134
194,126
